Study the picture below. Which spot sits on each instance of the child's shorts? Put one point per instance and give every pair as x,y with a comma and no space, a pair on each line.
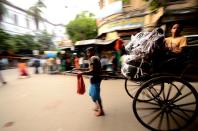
94,91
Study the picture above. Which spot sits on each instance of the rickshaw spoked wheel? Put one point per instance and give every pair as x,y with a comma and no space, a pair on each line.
174,108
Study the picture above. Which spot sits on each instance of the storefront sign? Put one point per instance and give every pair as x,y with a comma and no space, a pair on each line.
65,43
122,24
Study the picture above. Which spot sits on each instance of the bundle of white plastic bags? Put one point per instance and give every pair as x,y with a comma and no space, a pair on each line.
140,49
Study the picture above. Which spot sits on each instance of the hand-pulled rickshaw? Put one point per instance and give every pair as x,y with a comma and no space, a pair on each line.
163,97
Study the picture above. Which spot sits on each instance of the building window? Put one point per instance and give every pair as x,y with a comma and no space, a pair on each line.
101,3
27,23
106,2
15,19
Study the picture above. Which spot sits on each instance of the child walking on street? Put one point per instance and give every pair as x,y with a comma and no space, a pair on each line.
95,80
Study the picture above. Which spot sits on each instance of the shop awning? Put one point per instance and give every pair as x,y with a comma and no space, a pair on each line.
177,15
120,28
66,47
94,42
106,42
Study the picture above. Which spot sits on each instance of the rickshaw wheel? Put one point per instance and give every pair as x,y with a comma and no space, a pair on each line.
132,87
174,108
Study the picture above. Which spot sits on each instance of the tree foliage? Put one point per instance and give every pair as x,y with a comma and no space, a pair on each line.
36,11
83,27
155,4
126,1
4,37
23,42
42,41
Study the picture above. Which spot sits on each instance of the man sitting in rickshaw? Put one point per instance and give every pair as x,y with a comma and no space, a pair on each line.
176,42
175,56
162,55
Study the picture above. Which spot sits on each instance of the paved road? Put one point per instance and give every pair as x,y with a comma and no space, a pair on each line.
50,103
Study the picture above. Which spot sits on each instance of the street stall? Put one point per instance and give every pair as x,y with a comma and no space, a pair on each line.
104,48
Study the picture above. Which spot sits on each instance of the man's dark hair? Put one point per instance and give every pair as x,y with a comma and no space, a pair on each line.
90,49
180,25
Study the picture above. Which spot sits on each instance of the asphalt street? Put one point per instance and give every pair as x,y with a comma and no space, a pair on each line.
50,103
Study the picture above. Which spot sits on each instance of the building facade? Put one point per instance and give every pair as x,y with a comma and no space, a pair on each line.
119,19
184,12
17,21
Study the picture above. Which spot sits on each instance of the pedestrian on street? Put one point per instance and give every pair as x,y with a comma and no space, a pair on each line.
44,65
22,66
36,65
76,62
1,77
81,61
104,62
114,64
95,80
